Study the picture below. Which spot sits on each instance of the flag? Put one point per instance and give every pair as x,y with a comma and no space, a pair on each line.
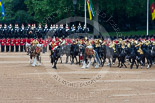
2,9
90,9
153,10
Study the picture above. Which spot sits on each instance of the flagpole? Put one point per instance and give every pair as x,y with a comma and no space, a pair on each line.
85,14
147,17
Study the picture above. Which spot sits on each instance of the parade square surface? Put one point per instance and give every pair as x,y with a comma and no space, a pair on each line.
22,83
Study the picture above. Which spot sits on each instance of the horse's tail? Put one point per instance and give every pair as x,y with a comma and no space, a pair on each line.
97,57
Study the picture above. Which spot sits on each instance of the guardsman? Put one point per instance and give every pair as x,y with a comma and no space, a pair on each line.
139,45
21,45
10,29
123,44
67,28
0,41
51,28
17,44
3,45
45,31
40,31
12,44
112,45
44,46
41,41
5,31
57,27
1,31
97,45
23,31
17,31
79,28
73,28
7,44
85,30
46,43
53,45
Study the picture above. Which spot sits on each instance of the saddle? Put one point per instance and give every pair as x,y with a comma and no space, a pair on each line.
89,51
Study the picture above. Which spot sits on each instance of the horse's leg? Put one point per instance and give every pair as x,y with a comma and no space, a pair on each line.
132,62
104,59
89,63
34,62
55,62
61,59
79,60
94,62
125,65
148,63
84,64
118,62
30,59
76,60
72,59
38,59
98,64
66,59
143,60
137,64
109,62
113,61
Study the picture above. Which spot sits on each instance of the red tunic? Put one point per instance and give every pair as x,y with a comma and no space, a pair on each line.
17,42
0,41
12,42
3,42
22,42
7,42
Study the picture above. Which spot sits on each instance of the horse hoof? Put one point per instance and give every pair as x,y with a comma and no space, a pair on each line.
83,67
33,65
54,67
39,64
96,66
148,67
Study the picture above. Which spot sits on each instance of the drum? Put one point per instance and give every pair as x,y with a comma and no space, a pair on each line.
89,51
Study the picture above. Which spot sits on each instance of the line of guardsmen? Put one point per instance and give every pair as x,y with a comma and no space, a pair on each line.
19,44
32,31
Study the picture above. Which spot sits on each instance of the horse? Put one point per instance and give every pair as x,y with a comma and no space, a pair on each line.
55,55
35,53
74,51
132,56
122,57
66,50
148,55
89,53
153,53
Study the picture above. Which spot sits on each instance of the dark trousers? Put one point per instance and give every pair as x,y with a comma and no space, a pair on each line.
12,48
7,48
49,47
17,48
2,48
44,49
25,48
21,48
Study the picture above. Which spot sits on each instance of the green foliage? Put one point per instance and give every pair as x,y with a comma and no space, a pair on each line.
124,12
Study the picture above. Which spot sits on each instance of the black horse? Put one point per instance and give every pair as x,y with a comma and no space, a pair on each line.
74,52
55,55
